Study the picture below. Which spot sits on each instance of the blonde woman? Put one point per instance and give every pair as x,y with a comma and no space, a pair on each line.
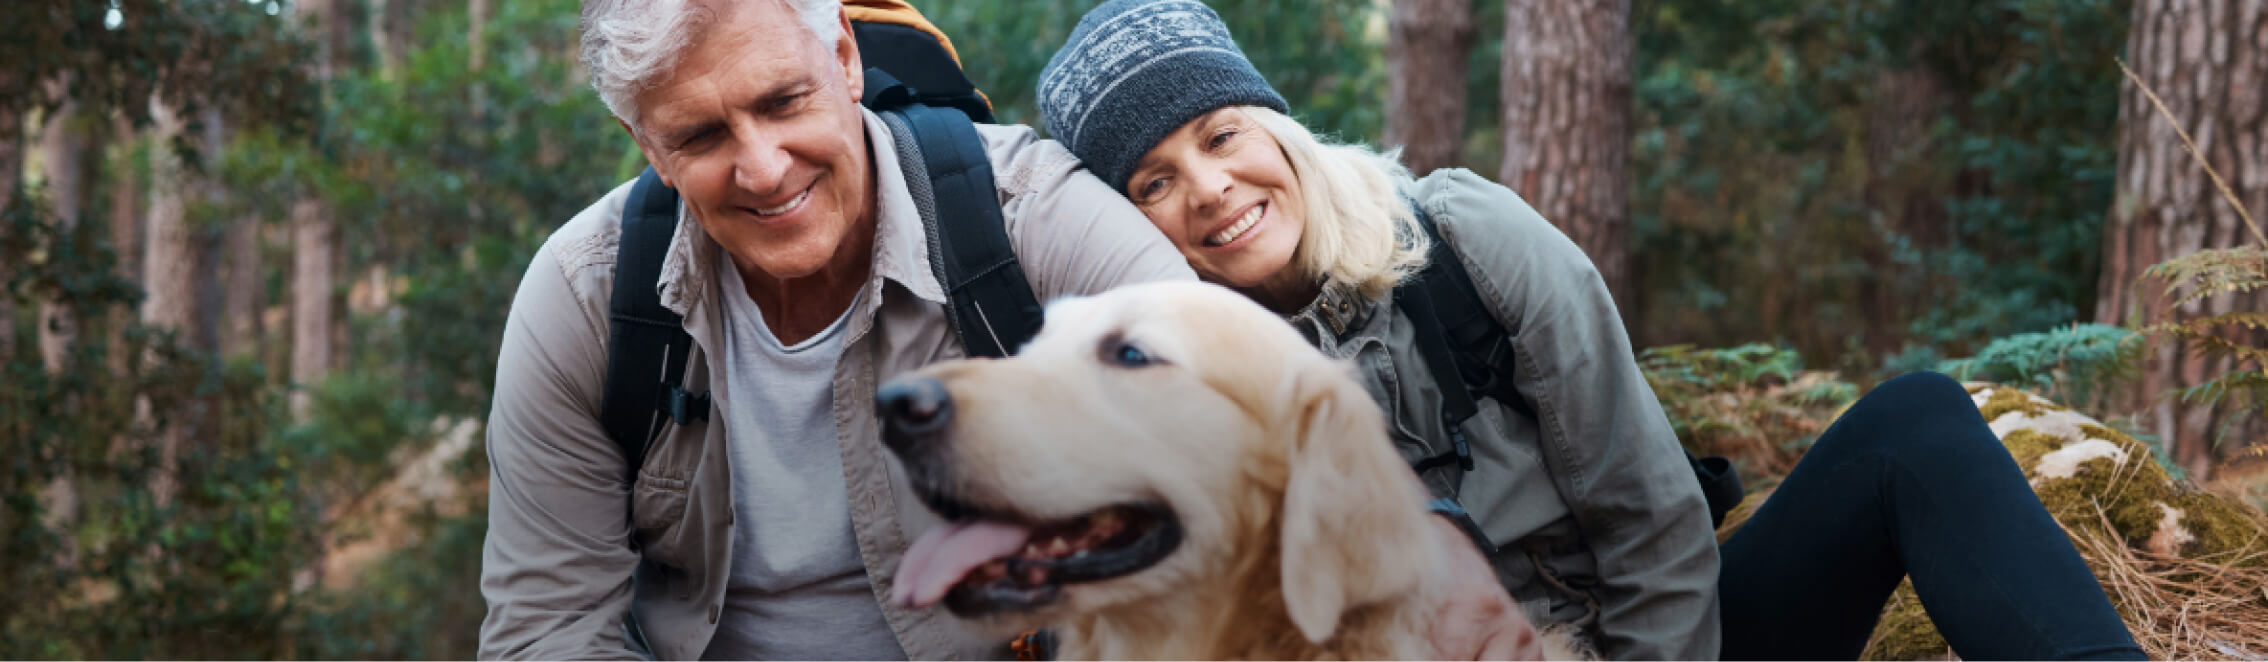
1586,510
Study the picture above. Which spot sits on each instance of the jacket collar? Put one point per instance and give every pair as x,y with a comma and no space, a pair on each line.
901,242
1340,308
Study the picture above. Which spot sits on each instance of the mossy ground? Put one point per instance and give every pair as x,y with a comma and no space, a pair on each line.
2125,494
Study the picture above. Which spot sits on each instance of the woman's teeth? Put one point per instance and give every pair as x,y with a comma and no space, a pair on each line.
1238,230
785,208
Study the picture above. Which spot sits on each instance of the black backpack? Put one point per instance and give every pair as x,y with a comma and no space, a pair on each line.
931,109
1461,341
930,106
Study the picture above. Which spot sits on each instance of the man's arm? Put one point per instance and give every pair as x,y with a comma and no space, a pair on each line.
1609,447
1073,234
557,563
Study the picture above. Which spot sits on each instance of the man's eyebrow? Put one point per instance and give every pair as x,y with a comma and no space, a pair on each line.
676,135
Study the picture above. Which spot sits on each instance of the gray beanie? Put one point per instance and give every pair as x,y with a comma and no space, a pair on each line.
1135,70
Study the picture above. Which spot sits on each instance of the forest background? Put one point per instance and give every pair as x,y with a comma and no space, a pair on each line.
258,254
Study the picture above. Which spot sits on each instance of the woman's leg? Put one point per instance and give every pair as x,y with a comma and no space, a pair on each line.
1911,482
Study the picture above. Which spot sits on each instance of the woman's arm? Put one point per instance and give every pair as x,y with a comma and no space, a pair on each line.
1607,445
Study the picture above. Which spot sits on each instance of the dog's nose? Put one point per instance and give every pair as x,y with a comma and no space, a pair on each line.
912,408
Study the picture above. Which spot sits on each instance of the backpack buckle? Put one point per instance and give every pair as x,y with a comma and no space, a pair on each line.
685,408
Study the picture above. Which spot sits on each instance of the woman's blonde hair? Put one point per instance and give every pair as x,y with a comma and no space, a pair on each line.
1360,230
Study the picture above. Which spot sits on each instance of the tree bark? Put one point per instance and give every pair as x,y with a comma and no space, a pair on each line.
65,142
1426,45
1904,189
313,264
479,10
170,257
1566,94
126,225
2209,62
11,178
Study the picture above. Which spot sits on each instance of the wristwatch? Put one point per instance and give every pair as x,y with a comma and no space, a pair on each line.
1447,507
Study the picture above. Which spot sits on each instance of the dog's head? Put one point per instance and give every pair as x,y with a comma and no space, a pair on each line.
1159,440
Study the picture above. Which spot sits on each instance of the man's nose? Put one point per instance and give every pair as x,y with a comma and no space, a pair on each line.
761,164
914,410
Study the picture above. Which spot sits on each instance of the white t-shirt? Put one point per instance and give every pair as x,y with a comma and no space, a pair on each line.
798,589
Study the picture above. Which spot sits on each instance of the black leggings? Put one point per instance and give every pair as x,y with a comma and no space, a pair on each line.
1912,482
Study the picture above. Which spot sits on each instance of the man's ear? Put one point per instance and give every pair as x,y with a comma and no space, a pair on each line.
1350,505
648,152
846,52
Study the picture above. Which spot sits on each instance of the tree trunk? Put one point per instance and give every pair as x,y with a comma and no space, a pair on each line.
1904,187
170,257
11,178
386,36
313,266
479,9
212,238
1426,46
126,225
312,283
64,145
243,333
1566,93
2208,62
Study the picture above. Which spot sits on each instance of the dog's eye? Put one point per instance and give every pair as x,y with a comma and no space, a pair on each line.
1126,354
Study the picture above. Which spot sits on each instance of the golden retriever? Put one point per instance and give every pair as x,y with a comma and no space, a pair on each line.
1168,471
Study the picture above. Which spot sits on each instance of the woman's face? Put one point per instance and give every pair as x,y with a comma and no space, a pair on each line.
1220,188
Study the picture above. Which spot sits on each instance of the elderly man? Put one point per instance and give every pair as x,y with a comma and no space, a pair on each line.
803,278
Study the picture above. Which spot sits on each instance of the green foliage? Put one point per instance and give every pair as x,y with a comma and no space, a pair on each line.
1327,57
1753,403
1754,168
239,56
2076,365
2233,336
136,570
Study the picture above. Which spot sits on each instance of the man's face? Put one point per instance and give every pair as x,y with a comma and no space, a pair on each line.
758,128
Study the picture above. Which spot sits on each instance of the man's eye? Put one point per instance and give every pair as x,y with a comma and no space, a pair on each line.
782,103
697,139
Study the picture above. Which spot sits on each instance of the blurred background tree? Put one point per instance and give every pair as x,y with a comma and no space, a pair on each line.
259,253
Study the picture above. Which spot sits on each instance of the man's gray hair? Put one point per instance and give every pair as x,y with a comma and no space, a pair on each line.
630,45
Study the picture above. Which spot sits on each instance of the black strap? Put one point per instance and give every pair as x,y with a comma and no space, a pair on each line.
990,304
1460,337
646,342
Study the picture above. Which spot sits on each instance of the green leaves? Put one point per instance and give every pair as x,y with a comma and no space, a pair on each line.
2071,364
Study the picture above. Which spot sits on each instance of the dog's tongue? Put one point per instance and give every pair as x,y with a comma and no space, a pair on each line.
947,553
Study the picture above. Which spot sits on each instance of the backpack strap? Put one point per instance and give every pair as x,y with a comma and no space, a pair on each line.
646,343
1457,335
990,303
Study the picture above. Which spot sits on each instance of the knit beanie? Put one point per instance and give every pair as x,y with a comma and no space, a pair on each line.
1136,70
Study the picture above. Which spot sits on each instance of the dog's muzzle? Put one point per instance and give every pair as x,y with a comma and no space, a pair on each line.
914,410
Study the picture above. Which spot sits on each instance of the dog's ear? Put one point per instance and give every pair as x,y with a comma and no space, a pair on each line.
1349,505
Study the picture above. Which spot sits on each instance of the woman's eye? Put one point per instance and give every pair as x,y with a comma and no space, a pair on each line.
1220,138
1150,189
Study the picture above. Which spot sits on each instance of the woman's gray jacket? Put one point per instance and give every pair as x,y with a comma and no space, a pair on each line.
1595,513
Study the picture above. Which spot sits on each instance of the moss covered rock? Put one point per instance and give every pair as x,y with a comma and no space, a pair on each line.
2090,477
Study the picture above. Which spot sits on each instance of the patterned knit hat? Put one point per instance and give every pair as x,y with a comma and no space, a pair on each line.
1136,70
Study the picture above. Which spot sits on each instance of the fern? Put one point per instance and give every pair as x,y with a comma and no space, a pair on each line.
2212,272
2230,335
2070,364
